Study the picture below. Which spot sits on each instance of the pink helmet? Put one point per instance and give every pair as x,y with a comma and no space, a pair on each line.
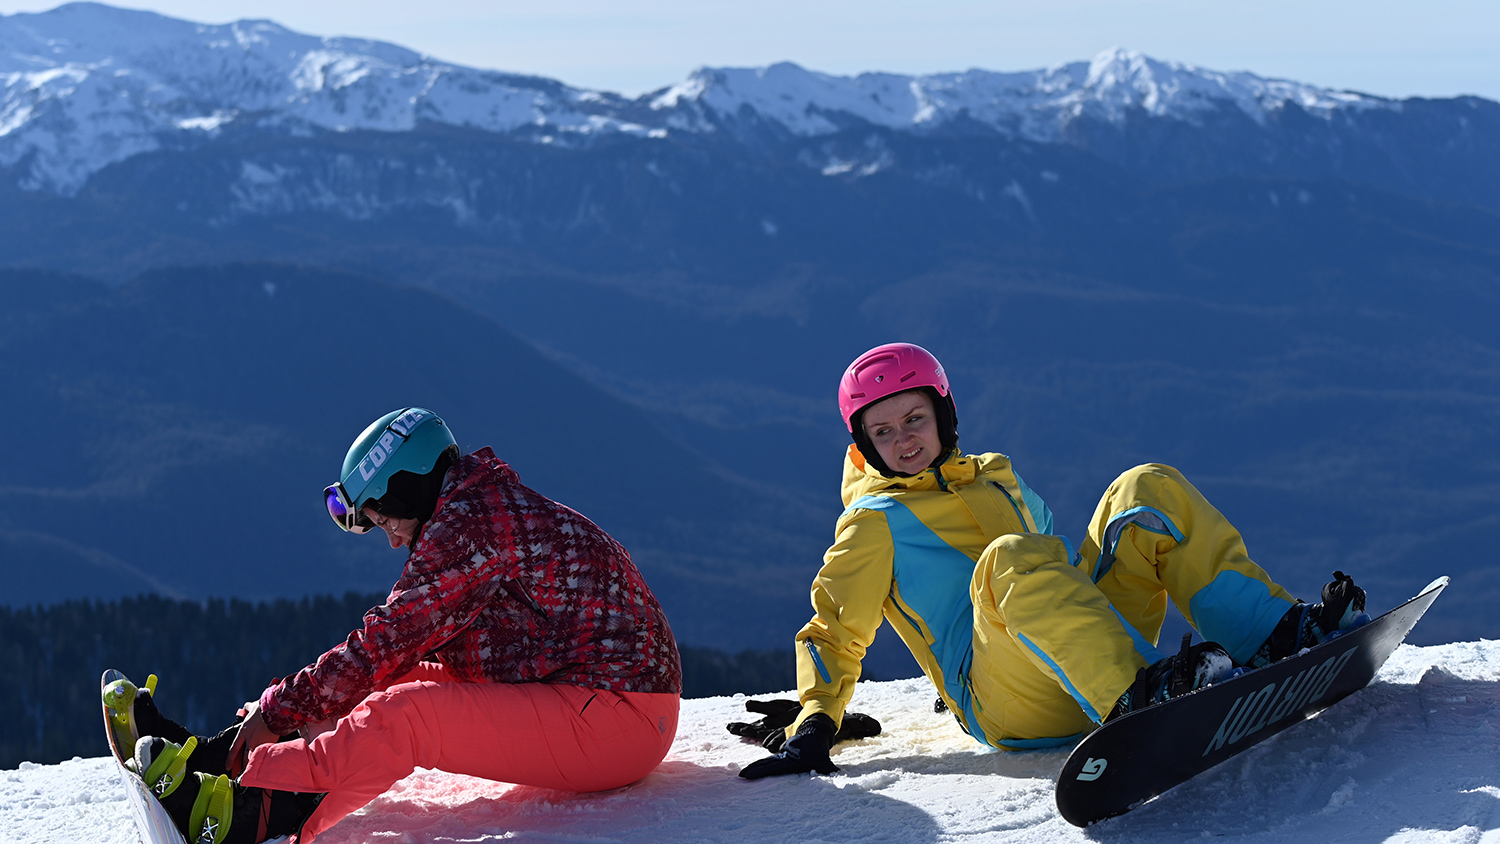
884,371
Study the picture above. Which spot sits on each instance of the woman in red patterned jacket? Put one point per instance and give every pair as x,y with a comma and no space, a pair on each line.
520,644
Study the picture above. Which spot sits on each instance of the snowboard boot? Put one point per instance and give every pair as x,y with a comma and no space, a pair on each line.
162,764
199,755
208,804
213,753
1194,667
133,713
202,809
1305,625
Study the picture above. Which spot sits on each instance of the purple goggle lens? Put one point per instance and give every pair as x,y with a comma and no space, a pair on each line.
343,512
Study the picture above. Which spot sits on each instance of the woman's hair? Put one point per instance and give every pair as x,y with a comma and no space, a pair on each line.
413,496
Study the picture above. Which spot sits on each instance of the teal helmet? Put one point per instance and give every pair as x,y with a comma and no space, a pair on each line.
413,440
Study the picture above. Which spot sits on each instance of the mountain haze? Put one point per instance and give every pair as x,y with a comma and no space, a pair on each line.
181,427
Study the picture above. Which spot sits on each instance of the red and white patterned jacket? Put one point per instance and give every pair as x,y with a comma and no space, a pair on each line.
503,585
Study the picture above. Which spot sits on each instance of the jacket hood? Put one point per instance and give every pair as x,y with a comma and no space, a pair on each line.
468,473
861,479
480,467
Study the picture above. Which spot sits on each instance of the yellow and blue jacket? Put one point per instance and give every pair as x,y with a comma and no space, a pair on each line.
905,551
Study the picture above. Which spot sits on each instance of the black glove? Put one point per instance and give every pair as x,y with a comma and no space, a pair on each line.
1339,596
770,731
805,752
777,716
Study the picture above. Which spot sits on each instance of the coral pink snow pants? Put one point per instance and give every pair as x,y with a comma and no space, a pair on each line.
553,736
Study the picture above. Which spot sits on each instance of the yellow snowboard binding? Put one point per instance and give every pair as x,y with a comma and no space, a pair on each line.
213,810
119,699
162,763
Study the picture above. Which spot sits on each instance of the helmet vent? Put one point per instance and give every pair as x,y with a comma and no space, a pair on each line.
884,371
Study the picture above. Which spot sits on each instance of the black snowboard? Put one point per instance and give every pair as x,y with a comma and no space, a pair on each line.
1130,760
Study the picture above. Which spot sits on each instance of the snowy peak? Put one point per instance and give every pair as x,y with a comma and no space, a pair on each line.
1118,80
87,85
804,102
1032,104
249,64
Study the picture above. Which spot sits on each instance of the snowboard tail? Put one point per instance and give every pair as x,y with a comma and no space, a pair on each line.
1137,757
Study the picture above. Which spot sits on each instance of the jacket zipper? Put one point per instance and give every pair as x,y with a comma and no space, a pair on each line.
1014,506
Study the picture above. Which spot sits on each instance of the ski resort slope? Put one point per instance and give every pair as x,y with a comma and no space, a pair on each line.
1413,758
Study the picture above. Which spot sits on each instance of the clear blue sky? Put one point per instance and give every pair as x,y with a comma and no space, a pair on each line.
1394,48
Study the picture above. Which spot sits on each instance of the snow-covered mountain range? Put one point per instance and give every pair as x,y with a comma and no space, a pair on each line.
1033,105
87,85
1268,285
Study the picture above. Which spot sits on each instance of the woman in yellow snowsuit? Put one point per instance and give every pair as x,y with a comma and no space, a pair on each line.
1029,641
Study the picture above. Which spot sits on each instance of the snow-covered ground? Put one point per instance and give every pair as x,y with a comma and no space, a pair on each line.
1414,757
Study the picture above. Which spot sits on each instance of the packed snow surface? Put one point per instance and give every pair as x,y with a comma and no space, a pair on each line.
1413,758
86,85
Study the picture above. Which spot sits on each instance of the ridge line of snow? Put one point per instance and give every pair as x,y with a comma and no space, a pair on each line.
87,85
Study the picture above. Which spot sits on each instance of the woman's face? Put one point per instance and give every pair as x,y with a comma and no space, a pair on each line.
398,531
903,429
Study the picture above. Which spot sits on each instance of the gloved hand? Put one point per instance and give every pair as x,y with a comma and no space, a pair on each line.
770,731
803,753
1342,603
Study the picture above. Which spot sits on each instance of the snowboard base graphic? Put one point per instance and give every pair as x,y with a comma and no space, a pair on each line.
1137,757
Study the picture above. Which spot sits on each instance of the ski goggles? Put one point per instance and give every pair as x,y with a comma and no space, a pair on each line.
341,509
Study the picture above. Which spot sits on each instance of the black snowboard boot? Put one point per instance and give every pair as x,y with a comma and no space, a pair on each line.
1306,625
133,715
213,753
1193,667
201,805
211,806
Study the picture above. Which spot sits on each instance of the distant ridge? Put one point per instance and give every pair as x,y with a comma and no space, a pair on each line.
88,85
195,413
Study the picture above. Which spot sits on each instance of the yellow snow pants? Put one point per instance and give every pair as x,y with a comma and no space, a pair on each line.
1058,640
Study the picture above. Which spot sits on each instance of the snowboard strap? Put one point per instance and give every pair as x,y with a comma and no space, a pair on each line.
263,817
